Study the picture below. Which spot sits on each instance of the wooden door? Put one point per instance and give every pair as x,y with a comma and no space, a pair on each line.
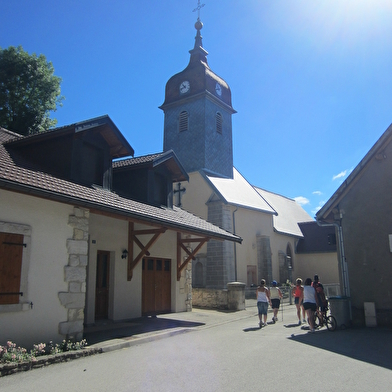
156,286
102,285
252,275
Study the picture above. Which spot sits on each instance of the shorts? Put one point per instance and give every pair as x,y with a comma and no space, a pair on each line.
296,300
262,307
310,305
275,303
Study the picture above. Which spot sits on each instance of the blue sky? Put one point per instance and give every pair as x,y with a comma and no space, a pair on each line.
311,81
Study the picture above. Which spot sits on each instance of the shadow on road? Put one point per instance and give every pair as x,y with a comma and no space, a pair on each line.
108,330
368,345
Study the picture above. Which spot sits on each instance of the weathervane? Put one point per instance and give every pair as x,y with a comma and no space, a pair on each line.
199,6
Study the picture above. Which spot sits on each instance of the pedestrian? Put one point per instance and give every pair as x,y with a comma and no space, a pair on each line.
298,292
310,302
263,299
323,304
275,296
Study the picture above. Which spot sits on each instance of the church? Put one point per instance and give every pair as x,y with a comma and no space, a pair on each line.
198,128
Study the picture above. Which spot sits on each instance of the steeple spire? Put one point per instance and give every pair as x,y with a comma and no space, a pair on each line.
198,53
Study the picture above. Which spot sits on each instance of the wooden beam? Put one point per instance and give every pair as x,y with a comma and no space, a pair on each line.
132,262
191,254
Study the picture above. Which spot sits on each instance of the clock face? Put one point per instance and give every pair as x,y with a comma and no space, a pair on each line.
184,87
218,89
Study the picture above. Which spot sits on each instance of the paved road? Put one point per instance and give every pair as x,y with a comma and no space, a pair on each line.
230,355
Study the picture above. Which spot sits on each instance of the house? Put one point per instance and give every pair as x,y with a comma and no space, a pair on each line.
361,212
88,233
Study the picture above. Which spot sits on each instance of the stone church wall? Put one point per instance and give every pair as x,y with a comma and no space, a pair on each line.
220,254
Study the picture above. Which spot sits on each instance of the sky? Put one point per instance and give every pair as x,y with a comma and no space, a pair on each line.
311,81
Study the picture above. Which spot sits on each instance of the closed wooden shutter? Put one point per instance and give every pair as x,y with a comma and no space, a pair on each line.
11,253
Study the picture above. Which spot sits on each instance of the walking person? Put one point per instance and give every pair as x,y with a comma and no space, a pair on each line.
322,301
275,296
263,299
298,292
310,302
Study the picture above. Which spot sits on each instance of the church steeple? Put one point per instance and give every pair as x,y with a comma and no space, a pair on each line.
198,113
198,53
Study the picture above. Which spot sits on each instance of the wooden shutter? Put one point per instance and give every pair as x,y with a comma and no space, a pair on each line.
11,253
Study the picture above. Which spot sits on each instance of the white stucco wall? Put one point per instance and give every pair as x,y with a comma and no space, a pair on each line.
48,257
196,195
249,224
125,299
323,264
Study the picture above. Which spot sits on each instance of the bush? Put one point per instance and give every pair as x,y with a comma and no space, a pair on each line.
12,353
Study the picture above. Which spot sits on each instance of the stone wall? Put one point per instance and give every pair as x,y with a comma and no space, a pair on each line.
75,274
209,298
232,298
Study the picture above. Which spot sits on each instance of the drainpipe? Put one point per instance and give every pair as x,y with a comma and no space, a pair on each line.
235,248
342,256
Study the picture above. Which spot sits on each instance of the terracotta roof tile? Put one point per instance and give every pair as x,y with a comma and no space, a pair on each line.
18,174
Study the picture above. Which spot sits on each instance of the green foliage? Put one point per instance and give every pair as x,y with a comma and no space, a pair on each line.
12,353
29,91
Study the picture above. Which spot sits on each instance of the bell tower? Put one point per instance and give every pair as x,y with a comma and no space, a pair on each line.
198,110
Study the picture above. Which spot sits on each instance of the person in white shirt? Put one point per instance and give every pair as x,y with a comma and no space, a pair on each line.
263,299
275,296
310,302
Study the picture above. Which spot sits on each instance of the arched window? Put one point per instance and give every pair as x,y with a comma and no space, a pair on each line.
218,120
183,121
289,256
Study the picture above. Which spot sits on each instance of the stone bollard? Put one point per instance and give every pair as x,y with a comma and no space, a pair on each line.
236,296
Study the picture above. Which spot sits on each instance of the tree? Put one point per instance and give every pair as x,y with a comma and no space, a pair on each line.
29,91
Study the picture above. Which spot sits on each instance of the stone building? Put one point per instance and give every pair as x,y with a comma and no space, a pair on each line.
198,128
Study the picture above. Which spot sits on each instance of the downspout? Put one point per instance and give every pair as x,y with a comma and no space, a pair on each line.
235,248
342,256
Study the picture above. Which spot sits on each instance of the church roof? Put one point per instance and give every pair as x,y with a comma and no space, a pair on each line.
239,192
289,213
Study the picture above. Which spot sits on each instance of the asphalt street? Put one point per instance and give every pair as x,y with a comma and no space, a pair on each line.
222,351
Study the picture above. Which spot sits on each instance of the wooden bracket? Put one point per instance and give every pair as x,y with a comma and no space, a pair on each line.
191,253
132,238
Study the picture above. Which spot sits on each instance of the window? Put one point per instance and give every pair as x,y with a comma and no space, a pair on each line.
183,121
289,258
218,120
14,264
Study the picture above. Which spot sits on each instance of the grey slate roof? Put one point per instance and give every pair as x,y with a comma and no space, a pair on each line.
239,192
18,175
289,213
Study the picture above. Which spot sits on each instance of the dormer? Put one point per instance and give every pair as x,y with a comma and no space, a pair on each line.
81,152
149,179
